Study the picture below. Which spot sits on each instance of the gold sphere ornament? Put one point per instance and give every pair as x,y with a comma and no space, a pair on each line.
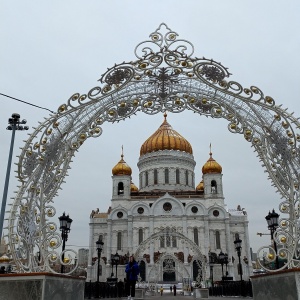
283,240
155,37
52,243
135,102
66,260
49,213
122,104
53,257
283,223
285,125
184,63
177,71
149,103
51,227
233,126
143,65
49,131
271,256
83,97
137,77
204,101
282,254
192,100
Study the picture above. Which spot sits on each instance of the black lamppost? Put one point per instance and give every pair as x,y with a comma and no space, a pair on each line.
116,260
65,228
211,266
99,246
112,261
221,260
238,248
226,263
272,220
14,124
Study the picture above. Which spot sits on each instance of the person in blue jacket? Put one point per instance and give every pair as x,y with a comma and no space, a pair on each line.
132,271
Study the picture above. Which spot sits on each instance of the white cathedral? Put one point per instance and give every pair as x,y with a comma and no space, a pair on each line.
171,227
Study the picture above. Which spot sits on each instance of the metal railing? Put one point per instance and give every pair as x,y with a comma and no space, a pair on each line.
232,288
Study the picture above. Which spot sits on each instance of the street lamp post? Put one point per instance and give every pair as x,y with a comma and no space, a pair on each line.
99,246
65,228
112,261
221,260
226,263
238,248
116,260
14,124
272,220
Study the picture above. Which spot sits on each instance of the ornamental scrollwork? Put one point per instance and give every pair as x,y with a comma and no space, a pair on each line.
164,77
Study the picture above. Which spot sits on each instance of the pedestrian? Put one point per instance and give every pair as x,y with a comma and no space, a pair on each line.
161,290
132,271
171,289
174,289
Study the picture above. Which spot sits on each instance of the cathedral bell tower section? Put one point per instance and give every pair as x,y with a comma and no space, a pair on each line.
121,179
212,177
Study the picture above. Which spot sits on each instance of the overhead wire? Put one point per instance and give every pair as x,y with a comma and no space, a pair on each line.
27,102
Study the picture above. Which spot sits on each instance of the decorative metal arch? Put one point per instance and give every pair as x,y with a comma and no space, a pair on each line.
154,270
168,232
164,77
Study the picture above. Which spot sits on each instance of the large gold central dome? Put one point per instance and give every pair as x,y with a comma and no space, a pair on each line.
166,138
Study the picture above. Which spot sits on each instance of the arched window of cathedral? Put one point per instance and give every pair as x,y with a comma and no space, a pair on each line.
101,237
177,176
162,241
120,188
119,241
155,176
214,187
236,236
141,236
168,237
218,242
146,178
174,241
186,177
166,175
196,240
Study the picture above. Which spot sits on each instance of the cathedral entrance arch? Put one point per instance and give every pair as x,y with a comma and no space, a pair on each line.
164,77
169,265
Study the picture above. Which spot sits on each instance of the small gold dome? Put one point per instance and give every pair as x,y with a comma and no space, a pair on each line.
200,186
211,166
121,168
133,187
166,138
4,258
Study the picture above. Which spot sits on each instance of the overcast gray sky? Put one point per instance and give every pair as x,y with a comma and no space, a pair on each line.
52,49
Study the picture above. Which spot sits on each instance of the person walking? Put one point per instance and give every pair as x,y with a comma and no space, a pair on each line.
171,289
132,271
161,290
174,289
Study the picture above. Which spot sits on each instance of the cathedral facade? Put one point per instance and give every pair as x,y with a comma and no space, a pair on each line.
175,229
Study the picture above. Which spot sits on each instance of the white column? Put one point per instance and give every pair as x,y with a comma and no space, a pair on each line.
109,239
229,248
151,253
130,237
247,249
91,241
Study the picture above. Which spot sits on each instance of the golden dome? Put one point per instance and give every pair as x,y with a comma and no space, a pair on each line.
211,166
166,138
121,168
133,187
200,186
4,258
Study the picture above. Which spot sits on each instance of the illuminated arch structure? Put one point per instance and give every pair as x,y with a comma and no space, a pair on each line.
164,77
